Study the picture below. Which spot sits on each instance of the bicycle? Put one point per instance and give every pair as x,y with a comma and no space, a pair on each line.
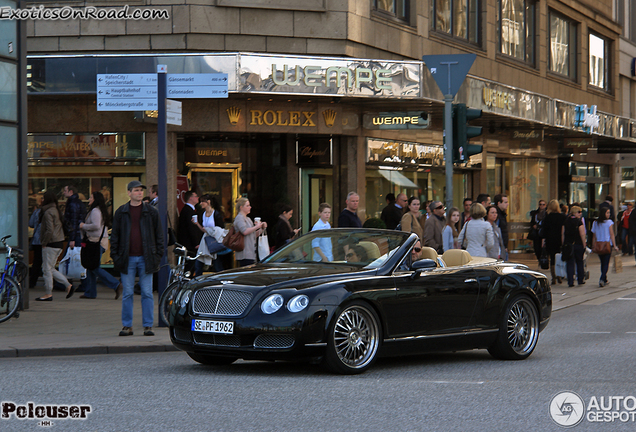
18,269
10,291
178,278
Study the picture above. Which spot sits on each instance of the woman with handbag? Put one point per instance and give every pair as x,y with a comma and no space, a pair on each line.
602,241
95,230
211,218
477,232
250,231
552,227
411,219
573,238
284,231
52,239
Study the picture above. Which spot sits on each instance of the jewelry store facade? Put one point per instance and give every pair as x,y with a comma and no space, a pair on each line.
301,131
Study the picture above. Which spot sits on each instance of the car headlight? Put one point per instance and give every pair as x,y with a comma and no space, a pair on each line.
185,298
298,303
272,303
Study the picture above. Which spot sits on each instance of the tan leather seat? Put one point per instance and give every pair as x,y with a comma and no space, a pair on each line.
456,257
429,253
372,250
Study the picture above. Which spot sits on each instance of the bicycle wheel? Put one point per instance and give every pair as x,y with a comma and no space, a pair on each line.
19,271
167,298
10,298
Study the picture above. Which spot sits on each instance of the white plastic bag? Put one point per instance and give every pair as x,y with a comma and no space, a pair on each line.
560,266
262,246
71,264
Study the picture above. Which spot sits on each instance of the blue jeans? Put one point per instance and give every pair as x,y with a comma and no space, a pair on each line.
605,260
137,267
627,241
90,283
198,266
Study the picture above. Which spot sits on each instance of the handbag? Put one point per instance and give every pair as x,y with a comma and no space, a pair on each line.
262,246
234,240
544,260
560,266
214,247
91,254
602,248
617,264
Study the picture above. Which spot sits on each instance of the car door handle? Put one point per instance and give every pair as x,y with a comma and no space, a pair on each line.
470,280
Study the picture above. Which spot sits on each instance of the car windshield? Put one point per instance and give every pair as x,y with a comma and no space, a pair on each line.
358,247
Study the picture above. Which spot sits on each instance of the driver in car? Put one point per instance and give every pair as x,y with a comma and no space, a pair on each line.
416,252
356,254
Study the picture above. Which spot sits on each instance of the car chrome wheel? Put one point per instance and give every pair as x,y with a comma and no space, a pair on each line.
355,339
518,332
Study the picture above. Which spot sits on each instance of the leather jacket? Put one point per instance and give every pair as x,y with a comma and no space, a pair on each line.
151,237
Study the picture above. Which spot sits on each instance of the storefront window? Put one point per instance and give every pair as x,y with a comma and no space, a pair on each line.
627,184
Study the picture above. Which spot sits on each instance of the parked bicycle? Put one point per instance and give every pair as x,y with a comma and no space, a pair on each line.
10,292
178,278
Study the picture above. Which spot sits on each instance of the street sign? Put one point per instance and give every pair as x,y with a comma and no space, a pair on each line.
126,92
449,71
173,112
200,86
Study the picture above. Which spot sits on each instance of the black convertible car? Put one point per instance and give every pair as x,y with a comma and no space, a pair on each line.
346,296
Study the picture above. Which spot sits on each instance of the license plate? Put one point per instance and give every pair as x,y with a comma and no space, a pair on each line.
206,326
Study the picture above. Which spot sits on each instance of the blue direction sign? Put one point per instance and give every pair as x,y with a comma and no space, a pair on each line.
449,71
126,92
200,86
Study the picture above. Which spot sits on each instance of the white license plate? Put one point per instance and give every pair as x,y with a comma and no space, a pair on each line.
206,326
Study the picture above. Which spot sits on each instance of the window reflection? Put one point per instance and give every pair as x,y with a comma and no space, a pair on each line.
458,17
517,28
597,61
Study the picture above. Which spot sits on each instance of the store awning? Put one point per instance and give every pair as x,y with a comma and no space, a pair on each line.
398,178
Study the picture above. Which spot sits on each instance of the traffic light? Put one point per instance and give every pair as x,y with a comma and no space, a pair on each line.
462,132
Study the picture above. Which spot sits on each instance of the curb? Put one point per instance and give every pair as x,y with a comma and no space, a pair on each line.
88,350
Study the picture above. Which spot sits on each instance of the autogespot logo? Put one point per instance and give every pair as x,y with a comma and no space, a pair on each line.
567,409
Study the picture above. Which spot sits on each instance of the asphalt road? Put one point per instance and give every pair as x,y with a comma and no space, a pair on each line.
589,350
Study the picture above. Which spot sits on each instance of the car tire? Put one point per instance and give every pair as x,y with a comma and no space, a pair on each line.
518,330
211,360
353,339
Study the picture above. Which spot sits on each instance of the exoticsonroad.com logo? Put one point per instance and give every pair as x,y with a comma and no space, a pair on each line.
45,413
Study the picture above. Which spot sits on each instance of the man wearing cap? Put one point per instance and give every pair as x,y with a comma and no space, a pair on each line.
434,226
136,247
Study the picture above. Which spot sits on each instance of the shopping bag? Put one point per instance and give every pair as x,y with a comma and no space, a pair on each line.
560,266
214,247
618,263
262,246
71,264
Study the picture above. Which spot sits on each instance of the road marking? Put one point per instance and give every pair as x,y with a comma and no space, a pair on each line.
626,298
602,332
458,382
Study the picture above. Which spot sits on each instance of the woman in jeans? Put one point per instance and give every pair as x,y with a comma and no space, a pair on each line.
95,227
573,233
52,239
603,231
249,230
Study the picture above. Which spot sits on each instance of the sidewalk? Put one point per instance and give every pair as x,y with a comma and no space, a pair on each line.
78,326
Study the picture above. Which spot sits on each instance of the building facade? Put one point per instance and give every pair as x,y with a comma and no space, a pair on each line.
330,96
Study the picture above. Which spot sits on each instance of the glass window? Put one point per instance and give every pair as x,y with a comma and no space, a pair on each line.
562,45
459,18
8,91
397,8
8,32
9,164
9,214
516,30
599,61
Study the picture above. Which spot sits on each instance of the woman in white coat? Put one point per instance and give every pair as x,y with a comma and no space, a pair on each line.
477,233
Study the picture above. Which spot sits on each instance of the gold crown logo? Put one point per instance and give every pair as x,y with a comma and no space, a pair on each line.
233,114
330,117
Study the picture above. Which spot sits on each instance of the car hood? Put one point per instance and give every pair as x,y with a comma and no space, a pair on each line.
282,275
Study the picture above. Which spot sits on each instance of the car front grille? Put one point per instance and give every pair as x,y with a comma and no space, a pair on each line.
221,301
274,341
182,334
217,340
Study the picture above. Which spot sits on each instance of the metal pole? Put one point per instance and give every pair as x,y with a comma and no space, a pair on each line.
448,151
162,184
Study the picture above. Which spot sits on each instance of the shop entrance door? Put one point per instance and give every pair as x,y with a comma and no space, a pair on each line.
220,181
316,188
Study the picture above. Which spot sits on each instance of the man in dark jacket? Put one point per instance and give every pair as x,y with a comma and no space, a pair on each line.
392,213
74,214
189,234
136,247
349,216
501,201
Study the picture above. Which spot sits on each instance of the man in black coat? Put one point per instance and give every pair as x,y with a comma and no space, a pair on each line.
189,235
501,201
392,213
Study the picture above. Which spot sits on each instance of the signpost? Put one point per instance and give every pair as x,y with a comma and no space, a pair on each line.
449,72
143,92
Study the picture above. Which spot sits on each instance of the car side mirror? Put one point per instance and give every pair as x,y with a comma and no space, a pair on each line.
420,265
